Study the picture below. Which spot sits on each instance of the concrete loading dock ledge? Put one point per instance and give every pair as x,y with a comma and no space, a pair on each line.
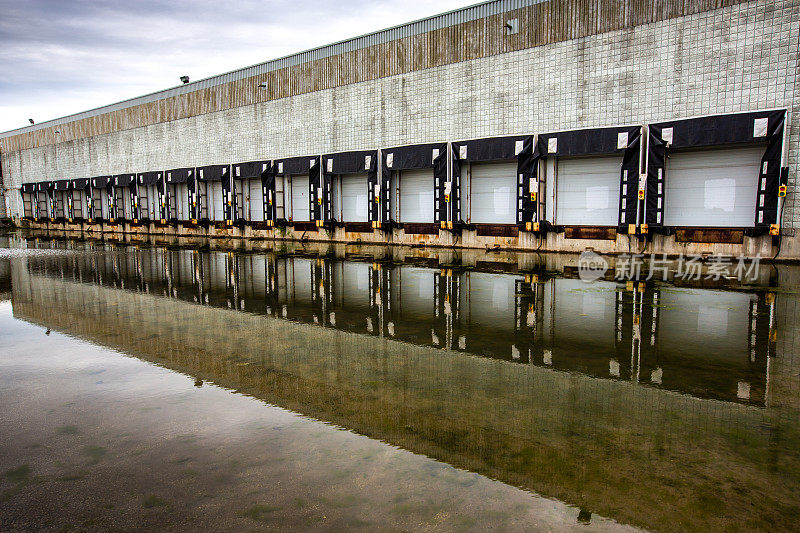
558,125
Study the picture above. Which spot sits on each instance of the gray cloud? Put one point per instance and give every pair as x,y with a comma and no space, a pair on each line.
60,57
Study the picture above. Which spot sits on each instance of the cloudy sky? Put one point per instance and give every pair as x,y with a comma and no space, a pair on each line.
59,57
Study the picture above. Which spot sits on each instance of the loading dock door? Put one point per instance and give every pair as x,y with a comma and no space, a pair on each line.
152,202
61,204
79,203
300,211
41,204
712,188
493,193
354,198
416,196
179,201
587,191
28,203
215,201
255,200
99,205
122,202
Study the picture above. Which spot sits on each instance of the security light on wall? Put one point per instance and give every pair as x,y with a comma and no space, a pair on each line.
512,26
185,79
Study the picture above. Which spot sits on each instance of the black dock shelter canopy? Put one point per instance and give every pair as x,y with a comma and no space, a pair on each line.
178,176
121,182
59,200
253,170
419,156
624,140
753,129
124,180
81,185
310,166
94,201
148,179
222,174
507,148
46,187
356,162
101,182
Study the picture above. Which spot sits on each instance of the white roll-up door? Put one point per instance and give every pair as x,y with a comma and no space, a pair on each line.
493,193
416,196
143,193
712,188
154,209
77,203
122,202
280,197
255,200
98,203
300,211
42,204
80,203
181,201
587,191
215,201
27,204
354,198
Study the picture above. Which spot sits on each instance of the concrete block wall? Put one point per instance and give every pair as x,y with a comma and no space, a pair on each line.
734,59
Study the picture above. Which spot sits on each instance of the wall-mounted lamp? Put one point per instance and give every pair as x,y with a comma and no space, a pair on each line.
185,79
512,26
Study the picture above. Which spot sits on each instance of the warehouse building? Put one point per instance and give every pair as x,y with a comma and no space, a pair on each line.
554,125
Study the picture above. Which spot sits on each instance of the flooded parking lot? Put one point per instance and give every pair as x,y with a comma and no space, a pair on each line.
346,387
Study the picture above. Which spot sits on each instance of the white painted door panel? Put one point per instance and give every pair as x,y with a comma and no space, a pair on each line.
354,198
493,191
255,200
215,201
416,196
712,188
300,210
587,191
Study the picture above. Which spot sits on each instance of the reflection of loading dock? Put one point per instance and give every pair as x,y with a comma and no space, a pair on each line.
712,344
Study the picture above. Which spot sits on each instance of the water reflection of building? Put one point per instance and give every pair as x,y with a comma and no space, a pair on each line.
567,435
707,343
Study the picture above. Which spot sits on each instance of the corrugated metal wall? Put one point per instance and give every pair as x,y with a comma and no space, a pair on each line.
469,33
